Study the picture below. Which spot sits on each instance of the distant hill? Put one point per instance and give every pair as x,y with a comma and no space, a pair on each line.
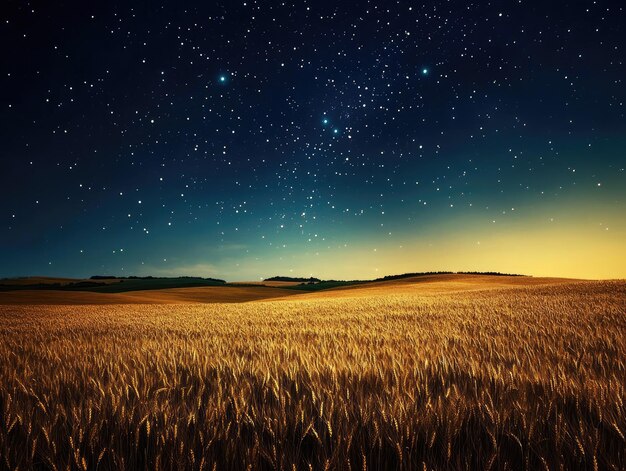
112,284
428,273
292,279
411,275
118,284
184,278
487,273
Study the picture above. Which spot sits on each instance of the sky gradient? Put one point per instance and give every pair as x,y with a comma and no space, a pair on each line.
344,140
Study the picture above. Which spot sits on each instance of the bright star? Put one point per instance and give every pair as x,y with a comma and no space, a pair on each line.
424,71
325,121
222,78
336,131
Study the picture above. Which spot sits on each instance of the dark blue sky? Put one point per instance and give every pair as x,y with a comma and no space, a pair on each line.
341,139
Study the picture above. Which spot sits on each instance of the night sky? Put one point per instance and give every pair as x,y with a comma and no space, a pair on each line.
245,139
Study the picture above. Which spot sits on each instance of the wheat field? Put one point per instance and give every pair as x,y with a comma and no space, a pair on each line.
526,377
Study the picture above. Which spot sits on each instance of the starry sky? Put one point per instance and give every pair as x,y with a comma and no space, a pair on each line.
352,139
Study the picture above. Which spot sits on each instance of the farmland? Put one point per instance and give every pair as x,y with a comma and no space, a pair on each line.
448,373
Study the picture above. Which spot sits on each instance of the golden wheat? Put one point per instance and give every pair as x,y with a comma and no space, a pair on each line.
520,378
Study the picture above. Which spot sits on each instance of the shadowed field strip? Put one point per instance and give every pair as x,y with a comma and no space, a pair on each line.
423,285
204,294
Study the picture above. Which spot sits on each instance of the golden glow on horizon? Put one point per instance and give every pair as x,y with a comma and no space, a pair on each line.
536,253
587,242
563,249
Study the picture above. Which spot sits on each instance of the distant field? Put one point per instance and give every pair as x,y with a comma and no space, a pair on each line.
204,294
160,291
56,289
104,285
35,280
448,372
